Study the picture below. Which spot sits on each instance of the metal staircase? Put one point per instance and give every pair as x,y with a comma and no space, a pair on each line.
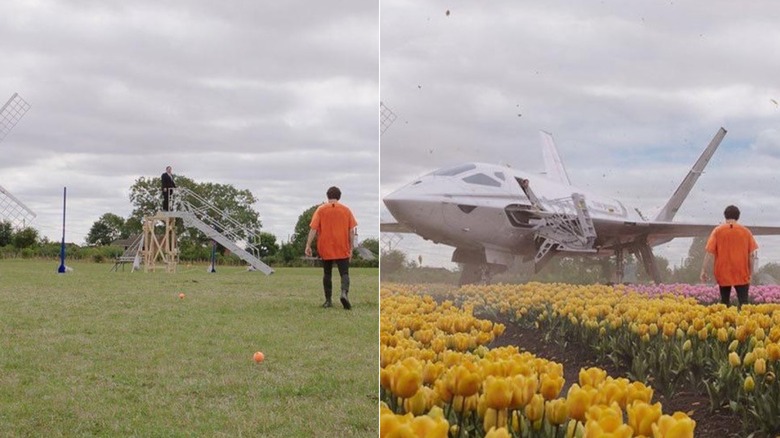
131,255
218,225
565,224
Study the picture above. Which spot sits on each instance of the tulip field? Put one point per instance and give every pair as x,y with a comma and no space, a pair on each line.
440,377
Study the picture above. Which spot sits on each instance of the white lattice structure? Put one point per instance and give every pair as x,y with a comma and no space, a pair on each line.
11,113
386,117
12,209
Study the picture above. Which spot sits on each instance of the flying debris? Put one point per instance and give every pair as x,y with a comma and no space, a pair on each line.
773,101
447,13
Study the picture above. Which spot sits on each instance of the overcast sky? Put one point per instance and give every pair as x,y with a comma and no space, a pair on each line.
632,92
278,97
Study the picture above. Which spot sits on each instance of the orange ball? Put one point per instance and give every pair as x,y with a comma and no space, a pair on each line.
259,357
181,296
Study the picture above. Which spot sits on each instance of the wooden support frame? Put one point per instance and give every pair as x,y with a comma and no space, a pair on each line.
160,247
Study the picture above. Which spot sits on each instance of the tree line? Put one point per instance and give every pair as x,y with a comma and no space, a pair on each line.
146,199
397,266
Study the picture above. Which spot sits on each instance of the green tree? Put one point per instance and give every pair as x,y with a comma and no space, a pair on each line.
371,244
6,233
25,238
132,226
268,246
106,229
691,268
301,233
391,261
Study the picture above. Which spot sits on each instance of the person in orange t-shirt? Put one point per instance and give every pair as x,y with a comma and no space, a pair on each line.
733,249
334,226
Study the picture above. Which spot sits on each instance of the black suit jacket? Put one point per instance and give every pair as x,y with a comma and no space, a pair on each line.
167,181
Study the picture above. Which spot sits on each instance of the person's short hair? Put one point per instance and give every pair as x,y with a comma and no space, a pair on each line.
731,212
167,167
334,193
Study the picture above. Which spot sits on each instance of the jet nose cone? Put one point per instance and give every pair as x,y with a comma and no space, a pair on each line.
394,201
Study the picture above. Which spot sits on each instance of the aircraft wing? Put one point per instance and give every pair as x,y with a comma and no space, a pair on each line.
660,232
394,227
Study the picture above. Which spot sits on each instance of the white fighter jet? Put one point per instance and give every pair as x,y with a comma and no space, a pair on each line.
492,214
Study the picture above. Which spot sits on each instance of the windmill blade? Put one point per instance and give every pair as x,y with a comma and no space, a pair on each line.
14,211
10,114
386,117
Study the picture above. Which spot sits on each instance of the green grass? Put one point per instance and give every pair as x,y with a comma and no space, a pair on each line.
99,353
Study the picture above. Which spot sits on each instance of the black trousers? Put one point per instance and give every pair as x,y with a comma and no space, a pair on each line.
327,278
742,294
166,199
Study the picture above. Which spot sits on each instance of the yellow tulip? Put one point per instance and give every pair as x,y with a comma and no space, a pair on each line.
501,432
750,384
652,329
759,367
419,403
678,425
723,335
773,352
498,393
613,390
466,382
750,357
464,404
606,421
493,419
556,411
687,345
592,376
638,391
669,329
641,417
443,391
579,400
734,359
405,382
425,426
385,377
391,425
733,345
535,409
524,387
551,385
432,371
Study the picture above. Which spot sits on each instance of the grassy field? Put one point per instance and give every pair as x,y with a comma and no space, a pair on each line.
99,353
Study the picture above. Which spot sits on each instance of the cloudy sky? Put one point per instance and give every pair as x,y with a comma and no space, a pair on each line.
632,92
276,97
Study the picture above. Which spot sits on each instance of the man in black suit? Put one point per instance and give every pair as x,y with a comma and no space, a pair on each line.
167,185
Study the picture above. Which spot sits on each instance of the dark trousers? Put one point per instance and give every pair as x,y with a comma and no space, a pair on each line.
742,294
327,279
166,199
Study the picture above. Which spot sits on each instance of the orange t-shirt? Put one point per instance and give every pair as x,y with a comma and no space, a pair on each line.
731,244
333,222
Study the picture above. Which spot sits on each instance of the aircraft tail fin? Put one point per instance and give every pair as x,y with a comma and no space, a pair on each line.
552,161
673,205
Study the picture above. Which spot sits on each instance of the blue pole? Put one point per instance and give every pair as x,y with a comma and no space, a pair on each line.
61,269
213,256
